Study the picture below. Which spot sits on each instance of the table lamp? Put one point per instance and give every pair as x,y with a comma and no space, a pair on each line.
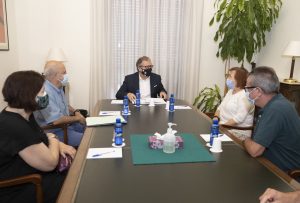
292,50
56,54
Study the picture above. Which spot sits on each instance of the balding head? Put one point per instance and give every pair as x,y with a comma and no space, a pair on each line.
54,71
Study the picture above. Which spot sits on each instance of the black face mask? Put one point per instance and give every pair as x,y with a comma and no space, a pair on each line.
42,101
147,72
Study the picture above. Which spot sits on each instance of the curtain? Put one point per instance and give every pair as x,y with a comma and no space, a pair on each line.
168,31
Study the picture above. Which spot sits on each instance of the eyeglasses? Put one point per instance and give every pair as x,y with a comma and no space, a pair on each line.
246,88
146,67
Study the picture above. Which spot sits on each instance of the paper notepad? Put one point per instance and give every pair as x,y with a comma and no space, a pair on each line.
104,153
103,120
224,138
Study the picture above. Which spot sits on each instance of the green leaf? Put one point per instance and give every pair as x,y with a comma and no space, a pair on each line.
242,26
211,21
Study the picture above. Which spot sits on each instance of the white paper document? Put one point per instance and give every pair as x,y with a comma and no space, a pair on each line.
103,120
224,138
109,113
182,107
104,153
156,101
114,101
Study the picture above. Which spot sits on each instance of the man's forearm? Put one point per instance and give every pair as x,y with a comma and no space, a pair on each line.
66,119
253,148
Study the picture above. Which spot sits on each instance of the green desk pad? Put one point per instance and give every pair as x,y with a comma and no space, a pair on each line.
193,151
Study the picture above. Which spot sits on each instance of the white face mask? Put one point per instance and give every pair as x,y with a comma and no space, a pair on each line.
65,80
252,101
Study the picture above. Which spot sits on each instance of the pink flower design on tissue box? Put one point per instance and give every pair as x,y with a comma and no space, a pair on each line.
154,143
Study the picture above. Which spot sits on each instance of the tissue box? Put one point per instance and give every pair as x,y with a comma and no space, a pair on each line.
154,143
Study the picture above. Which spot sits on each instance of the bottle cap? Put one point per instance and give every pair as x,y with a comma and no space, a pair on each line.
215,121
118,120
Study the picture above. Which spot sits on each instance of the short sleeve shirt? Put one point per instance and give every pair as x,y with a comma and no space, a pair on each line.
16,134
278,130
237,107
57,107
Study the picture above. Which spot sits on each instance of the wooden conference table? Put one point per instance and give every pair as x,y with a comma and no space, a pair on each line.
234,177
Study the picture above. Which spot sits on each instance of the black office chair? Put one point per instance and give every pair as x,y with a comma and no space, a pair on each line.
35,179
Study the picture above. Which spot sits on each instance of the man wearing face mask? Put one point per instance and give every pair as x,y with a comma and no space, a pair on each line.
144,80
277,132
235,109
58,111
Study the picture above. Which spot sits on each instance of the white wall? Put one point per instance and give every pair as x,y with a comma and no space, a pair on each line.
35,26
56,23
8,59
286,29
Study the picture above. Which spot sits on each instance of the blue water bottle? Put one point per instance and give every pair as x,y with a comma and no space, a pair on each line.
125,106
137,98
214,132
118,133
171,103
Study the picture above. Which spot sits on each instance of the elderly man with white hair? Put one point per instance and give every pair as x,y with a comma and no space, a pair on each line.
58,111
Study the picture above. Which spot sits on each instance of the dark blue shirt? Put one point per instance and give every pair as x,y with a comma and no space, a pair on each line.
278,130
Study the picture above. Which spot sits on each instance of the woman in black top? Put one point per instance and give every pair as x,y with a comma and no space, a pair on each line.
24,147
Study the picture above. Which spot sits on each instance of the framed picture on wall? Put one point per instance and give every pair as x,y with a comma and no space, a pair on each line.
3,27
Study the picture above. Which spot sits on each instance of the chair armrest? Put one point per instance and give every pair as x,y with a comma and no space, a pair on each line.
294,173
237,127
63,126
33,178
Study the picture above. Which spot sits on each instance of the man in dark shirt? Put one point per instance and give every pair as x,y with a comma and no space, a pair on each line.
277,132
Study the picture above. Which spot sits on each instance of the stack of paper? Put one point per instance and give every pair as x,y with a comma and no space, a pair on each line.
103,120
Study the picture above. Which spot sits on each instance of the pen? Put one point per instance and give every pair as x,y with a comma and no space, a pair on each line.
97,155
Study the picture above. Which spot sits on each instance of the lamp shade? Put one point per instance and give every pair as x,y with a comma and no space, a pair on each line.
292,49
56,54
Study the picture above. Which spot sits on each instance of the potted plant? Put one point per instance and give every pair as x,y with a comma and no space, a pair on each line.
242,27
208,100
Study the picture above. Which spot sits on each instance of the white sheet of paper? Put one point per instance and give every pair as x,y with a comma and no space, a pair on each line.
114,101
103,120
182,107
104,153
224,138
156,101
109,113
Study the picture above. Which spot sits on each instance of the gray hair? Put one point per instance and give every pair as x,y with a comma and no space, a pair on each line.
50,69
265,78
